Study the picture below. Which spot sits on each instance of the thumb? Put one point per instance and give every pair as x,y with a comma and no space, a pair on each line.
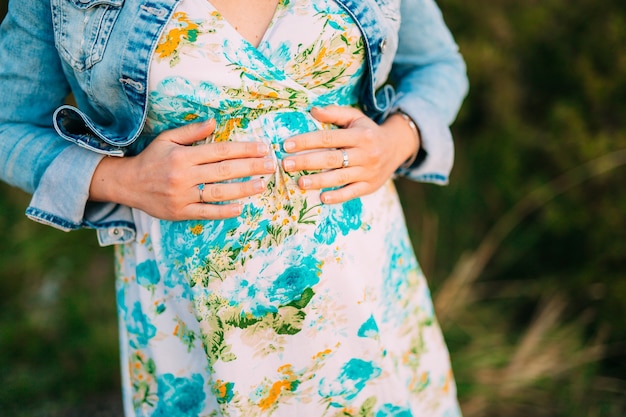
342,116
190,133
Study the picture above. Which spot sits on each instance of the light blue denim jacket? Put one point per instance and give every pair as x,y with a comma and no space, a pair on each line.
100,51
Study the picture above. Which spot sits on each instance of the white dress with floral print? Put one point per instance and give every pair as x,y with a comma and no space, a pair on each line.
294,308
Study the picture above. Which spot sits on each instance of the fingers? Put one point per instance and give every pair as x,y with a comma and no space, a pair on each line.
223,192
326,159
354,159
346,193
341,116
332,178
201,211
208,152
189,133
222,151
355,127
232,169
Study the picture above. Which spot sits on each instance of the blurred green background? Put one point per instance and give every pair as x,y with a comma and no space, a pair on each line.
525,249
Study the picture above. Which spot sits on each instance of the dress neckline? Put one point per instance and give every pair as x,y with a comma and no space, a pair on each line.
265,34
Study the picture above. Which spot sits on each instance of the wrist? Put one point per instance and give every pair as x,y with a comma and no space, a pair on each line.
104,185
409,132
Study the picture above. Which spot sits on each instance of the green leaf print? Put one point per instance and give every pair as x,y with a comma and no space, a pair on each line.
241,320
367,409
307,214
192,35
288,320
307,295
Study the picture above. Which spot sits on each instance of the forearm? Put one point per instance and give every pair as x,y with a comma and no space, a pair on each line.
107,181
431,82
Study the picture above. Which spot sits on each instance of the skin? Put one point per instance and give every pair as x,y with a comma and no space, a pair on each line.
163,179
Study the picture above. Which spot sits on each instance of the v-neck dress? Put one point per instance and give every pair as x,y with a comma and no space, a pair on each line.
293,308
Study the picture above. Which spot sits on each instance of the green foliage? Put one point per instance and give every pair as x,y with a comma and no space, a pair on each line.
525,249
58,334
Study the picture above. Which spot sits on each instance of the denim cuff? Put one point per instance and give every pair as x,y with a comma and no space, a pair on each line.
61,195
436,156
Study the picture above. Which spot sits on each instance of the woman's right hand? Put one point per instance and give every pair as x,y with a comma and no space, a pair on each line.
163,180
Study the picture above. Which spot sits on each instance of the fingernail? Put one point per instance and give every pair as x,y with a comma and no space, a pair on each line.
268,164
262,148
289,146
259,185
305,182
325,199
236,209
288,164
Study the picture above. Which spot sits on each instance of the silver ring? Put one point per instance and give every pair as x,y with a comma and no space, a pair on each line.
201,192
346,161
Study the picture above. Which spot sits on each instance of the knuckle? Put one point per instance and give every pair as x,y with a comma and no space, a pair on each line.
344,178
251,148
334,158
221,149
344,194
369,134
211,212
216,192
375,154
178,156
224,170
327,138
172,180
205,211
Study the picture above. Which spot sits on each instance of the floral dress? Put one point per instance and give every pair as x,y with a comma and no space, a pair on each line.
293,308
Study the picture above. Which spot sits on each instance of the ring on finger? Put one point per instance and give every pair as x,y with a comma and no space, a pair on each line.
201,192
346,161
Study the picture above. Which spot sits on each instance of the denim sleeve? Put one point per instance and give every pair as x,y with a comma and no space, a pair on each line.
430,78
33,156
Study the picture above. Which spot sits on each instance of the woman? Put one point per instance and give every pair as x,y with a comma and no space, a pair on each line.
265,270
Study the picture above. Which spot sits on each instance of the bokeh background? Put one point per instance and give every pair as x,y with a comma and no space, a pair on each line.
525,249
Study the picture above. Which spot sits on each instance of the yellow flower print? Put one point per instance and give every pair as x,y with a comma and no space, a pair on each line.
187,30
197,229
289,382
223,132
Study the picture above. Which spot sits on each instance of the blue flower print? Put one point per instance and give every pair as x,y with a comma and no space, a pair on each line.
402,262
147,273
172,104
369,328
352,379
191,241
351,215
326,231
180,397
344,218
275,285
257,67
390,410
140,326
280,56
342,96
294,122
290,285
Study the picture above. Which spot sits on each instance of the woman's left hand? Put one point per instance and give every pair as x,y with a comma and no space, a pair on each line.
373,153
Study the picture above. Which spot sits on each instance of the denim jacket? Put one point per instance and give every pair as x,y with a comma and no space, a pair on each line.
100,50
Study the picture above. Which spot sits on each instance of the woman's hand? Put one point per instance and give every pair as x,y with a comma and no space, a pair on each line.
164,179
373,152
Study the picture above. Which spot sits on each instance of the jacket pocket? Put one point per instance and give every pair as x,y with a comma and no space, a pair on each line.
82,29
